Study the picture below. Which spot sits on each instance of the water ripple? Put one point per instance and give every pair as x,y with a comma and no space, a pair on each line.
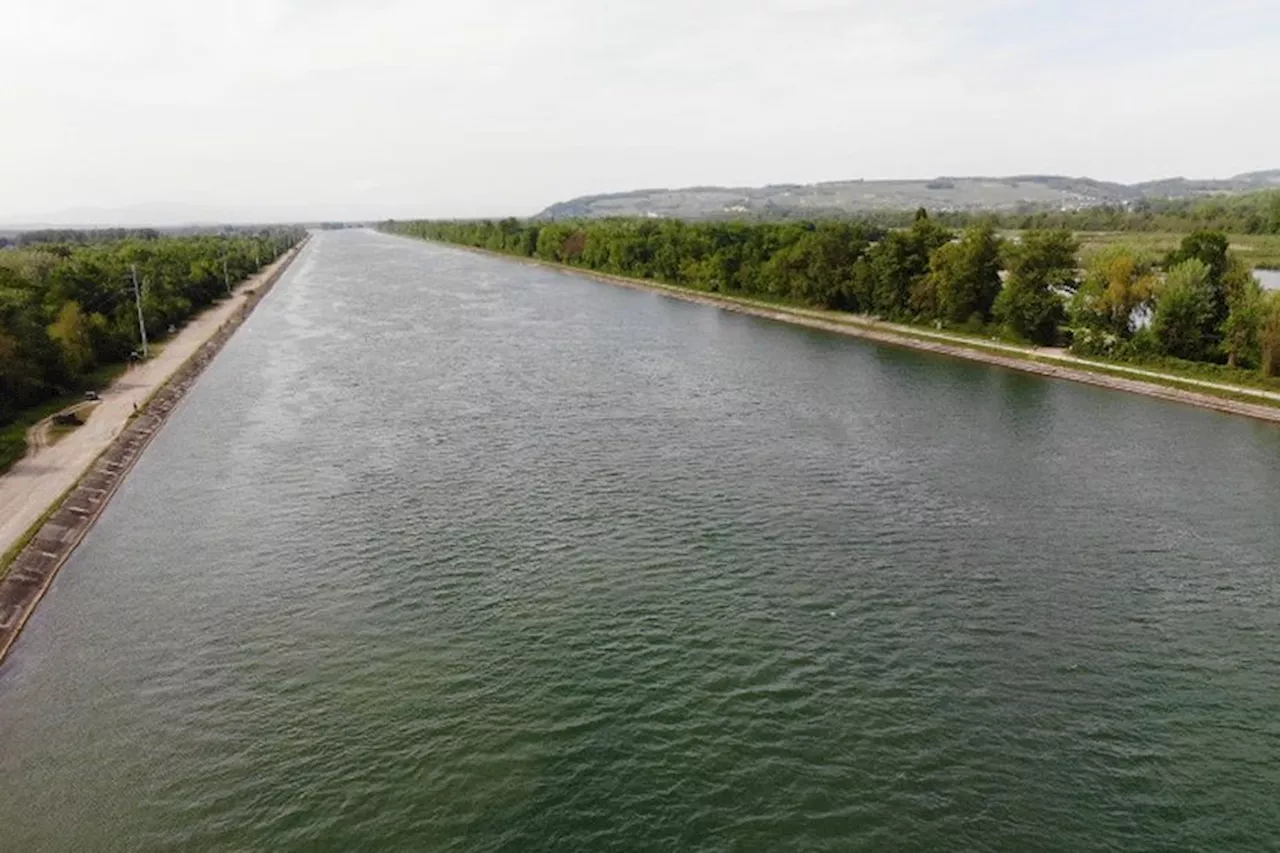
446,553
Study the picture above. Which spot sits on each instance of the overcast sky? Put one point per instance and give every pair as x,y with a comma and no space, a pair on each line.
319,108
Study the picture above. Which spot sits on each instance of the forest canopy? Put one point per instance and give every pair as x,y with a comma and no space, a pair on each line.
67,305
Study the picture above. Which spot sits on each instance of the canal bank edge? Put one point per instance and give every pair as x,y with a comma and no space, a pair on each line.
1027,363
70,518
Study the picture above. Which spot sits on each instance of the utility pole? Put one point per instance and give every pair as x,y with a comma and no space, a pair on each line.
137,298
226,279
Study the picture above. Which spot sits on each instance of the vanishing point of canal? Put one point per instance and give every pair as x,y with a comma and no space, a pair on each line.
449,553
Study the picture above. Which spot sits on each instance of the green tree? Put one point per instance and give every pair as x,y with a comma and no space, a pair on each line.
1269,334
831,250
899,261
71,332
1184,310
1208,247
1211,249
1237,279
1243,323
923,298
966,275
894,266
1118,282
1273,213
1042,270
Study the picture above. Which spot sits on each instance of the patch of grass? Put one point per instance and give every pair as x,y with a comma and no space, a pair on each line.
13,436
1257,250
1207,372
13,445
83,411
1173,381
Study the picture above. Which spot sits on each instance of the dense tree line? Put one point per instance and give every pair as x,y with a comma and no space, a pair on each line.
67,308
88,235
1199,303
1251,213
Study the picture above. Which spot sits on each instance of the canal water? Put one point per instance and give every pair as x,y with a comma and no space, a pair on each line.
449,553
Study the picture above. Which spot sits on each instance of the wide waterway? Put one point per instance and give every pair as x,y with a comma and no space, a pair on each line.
448,553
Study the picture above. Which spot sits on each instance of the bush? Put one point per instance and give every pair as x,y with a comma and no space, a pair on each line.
13,446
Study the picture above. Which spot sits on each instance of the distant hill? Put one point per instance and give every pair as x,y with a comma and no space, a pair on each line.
1052,192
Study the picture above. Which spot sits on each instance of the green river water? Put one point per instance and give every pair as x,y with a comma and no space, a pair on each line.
448,553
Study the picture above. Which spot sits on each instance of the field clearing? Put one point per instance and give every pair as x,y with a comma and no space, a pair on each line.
1257,250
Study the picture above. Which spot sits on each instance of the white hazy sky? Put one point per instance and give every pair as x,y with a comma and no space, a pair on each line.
257,109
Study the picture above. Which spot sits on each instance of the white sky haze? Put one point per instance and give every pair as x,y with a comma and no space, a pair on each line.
285,109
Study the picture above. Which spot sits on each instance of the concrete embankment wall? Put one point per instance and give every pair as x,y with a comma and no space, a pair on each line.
34,568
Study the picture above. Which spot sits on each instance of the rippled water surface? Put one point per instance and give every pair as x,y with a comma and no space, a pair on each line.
447,553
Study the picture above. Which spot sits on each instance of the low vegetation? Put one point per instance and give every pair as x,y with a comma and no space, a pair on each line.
1254,250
